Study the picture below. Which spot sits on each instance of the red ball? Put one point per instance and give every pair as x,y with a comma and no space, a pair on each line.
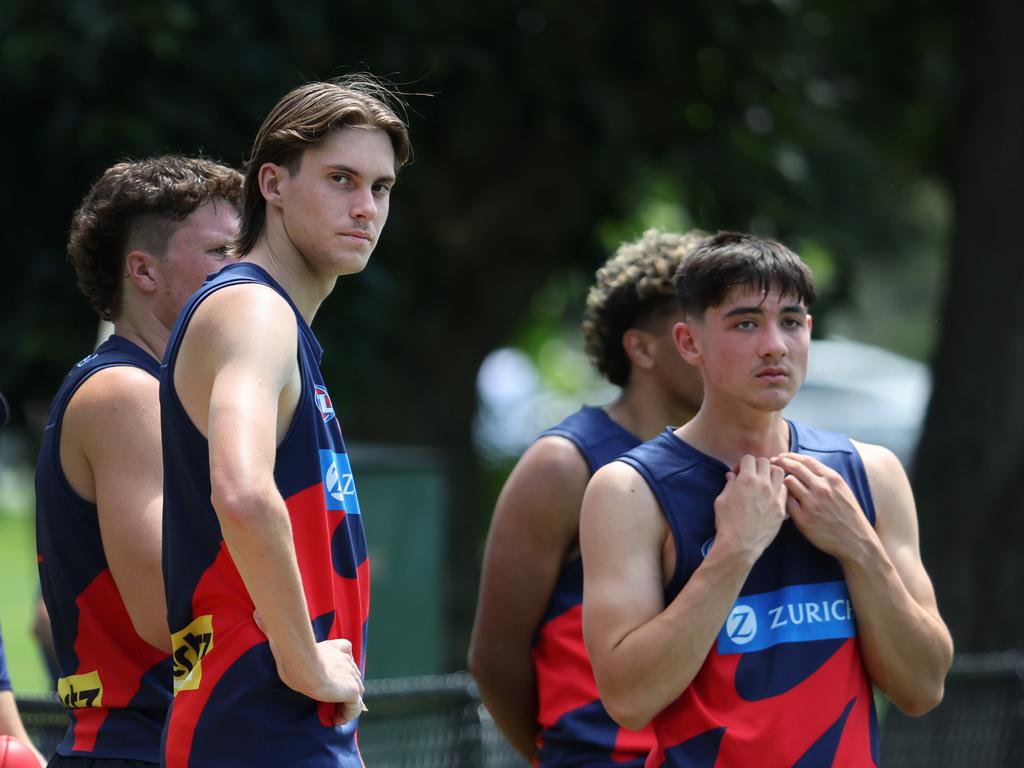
14,754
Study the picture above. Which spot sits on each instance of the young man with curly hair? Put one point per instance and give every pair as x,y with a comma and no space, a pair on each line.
749,578
267,570
527,651
143,239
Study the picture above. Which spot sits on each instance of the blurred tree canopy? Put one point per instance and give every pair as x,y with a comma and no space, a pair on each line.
821,122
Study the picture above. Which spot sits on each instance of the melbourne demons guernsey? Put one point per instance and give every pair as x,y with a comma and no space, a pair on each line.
115,686
784,683
575,728
230,707
5,678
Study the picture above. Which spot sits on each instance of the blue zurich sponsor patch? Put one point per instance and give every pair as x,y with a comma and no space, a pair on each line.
794,614
339,483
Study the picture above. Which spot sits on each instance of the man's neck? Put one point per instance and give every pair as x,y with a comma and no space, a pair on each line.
144,330
288,267
732,432
646,411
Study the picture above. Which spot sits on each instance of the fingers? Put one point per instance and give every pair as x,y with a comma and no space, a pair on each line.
794,461
346,711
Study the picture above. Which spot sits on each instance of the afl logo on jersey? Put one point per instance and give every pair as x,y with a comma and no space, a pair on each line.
323,402
741,626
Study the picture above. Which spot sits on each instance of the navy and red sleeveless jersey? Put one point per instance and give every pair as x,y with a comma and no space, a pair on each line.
784,683
5,678
575,728
230,707
114,684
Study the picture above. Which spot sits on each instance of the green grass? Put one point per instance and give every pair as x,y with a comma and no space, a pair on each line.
19,590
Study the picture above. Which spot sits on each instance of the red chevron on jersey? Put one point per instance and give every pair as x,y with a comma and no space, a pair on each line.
565,680
109,651
569,701
775,731
234,633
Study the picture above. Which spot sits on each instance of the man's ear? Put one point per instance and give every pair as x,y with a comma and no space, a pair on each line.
637,346
142,268
687,342
273,178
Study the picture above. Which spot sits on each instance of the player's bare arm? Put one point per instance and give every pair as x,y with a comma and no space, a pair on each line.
907,648
10,723
534,526
237,376
645,654
110,452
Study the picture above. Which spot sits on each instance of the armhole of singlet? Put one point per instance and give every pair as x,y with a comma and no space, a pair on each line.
305,395
576,443
861,472
674,584
171,355
58,427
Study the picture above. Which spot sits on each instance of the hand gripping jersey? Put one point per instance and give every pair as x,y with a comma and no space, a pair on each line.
575,728
230,707
114,684
784,683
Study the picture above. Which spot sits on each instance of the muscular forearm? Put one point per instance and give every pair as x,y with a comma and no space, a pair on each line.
258,535
652,665
509,691
906,648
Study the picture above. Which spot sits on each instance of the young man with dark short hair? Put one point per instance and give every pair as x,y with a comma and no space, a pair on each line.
145,236
527,651
265,558
748,578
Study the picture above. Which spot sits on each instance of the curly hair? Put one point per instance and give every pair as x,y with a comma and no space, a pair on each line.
138,204
631,290
731,259
302,119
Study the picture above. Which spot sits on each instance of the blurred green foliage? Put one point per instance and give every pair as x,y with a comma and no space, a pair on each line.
553,131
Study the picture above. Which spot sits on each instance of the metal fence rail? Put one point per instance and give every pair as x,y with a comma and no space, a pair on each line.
439,722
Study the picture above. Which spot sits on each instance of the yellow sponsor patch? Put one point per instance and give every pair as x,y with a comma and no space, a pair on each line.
189,646
78,691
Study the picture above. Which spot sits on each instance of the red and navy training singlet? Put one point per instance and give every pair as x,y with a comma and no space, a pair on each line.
5,678
784,683
114,684
575,728
230,707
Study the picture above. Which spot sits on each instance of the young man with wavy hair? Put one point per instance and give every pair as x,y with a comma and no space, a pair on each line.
143,239
747,577
267,571
527,651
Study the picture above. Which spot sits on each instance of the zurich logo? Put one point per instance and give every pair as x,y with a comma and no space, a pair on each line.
337,484
741,626
323,402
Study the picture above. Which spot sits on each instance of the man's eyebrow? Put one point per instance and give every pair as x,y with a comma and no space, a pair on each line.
754,310
792,309
353,172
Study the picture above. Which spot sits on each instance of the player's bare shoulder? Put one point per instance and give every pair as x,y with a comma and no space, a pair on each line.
619,493
884,469
555,464
238,328
113,408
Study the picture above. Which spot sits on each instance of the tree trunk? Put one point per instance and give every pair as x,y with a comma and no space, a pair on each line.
969,477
